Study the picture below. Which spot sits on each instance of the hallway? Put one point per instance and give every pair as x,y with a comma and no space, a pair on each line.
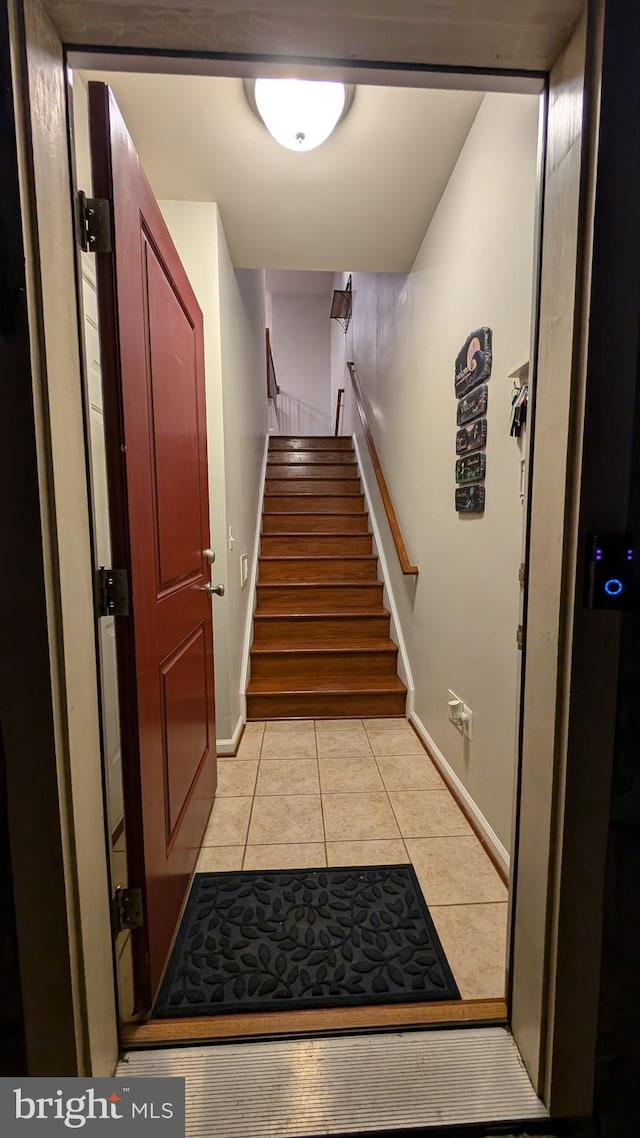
362,792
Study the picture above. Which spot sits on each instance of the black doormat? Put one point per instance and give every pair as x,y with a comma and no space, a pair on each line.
304,938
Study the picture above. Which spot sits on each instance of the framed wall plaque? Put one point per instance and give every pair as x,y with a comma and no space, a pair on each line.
473,404
472,437
472,468
470,499
473,361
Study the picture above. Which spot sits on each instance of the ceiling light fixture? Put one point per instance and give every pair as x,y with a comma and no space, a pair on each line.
299,113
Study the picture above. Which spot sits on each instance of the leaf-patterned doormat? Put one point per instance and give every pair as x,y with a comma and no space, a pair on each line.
306,938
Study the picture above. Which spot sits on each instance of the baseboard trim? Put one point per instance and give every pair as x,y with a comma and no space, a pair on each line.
246,647
476,819
404,669
230,746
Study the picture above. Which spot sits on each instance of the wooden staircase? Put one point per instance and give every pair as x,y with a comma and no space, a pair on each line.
321,645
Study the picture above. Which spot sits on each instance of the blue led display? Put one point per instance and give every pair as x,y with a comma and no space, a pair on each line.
613,587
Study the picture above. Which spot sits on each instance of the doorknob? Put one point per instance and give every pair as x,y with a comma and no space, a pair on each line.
214,590
209,556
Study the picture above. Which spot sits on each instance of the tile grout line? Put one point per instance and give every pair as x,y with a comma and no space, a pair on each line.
386,790
324,828
253,799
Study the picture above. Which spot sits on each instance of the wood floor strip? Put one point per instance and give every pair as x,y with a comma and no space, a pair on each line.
214,1028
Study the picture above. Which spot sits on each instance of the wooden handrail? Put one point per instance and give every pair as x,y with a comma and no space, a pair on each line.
339,402
401,549
271,368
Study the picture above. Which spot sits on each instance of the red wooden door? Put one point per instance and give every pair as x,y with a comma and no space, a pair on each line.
154,400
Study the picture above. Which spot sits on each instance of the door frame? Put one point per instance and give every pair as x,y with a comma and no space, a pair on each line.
554,1004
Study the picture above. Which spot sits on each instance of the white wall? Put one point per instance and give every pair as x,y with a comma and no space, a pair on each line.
301,346
242,324
233,310
460,617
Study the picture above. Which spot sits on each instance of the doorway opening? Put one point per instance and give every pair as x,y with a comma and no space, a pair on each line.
435,785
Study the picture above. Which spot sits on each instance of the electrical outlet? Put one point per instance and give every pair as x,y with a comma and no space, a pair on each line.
460,715
244,570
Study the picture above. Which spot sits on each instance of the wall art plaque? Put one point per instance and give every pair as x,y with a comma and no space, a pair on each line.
473,361
472,437
470,499
473,404
472,468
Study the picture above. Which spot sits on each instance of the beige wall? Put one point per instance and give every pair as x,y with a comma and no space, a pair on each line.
474,267
233,309
301,346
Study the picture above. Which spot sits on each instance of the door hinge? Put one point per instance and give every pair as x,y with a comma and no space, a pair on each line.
520,637
94,223
522,573
128,909
112,592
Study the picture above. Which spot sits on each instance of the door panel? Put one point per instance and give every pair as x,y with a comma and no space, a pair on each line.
184,704
154,407
174,384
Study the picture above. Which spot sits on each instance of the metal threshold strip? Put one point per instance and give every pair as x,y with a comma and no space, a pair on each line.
304,1088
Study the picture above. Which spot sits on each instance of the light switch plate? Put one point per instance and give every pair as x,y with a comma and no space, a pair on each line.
244,570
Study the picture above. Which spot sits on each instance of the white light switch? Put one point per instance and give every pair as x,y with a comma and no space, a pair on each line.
244,570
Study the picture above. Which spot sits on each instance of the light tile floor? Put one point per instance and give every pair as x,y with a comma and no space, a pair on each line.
362,792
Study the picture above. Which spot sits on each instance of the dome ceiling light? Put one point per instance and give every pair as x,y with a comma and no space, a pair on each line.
299,113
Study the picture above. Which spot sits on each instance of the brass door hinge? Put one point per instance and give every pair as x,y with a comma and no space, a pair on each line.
520,637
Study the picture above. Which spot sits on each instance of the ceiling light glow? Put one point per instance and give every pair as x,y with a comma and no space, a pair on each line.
299,113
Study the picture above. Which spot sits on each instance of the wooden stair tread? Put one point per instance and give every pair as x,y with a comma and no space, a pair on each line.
318,488
318,556
301,442
295,513
360,582
314,533
350,505
380,645
266,685
331,614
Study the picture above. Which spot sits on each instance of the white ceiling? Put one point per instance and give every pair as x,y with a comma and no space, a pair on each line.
361,201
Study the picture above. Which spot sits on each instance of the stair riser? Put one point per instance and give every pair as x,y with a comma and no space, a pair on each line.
310,442
329,705
314,523
302,666
325,569
305,631
317,457
318,472
297,546
290,504
319,598
313,486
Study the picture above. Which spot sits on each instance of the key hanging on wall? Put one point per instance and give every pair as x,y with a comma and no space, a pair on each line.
519,403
